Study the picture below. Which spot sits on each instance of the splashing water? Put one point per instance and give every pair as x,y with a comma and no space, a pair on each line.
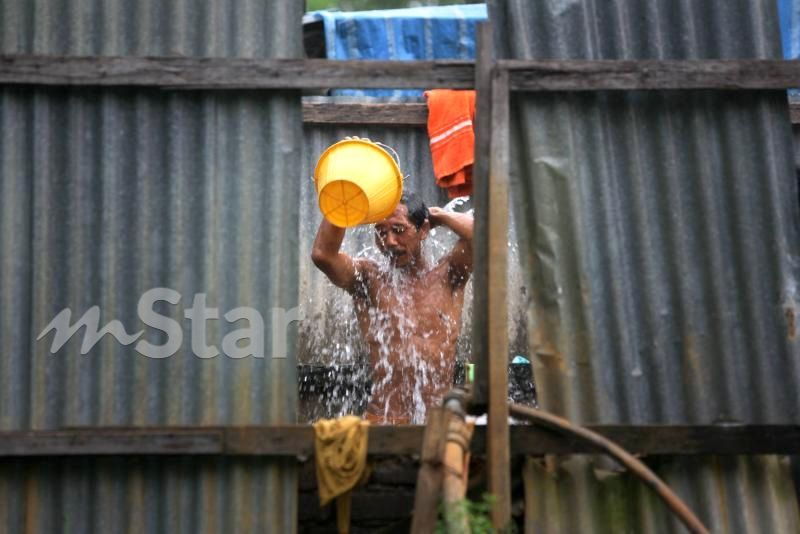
458,202
331,337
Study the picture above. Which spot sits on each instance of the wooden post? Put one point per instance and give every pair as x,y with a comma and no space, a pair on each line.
429,478
480,202
490,245
455,465
497,445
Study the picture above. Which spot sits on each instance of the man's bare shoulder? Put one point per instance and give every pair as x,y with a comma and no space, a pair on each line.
454,278
366,266
366,277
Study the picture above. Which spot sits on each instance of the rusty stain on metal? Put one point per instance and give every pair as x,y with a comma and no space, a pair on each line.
31,502
692,355
722,491
791,322
546,350
550,464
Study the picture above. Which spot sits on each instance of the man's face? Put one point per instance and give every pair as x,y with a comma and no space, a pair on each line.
398,239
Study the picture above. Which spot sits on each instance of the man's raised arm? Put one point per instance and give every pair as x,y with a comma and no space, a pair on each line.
342,270
460,258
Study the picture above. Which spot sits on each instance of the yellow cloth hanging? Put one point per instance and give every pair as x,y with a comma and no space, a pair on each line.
340,447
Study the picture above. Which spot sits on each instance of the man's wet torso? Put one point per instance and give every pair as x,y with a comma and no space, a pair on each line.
410,326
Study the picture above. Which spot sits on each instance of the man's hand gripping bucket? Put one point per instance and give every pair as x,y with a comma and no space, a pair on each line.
358,182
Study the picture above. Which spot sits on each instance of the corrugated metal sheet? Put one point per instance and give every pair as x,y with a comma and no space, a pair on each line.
108,193
660,238
796,136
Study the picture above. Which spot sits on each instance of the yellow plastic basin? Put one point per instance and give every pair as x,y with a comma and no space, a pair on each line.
358,182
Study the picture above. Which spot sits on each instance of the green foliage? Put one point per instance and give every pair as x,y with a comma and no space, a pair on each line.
478,516
364,5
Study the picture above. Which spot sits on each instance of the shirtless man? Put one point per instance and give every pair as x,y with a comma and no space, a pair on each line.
410,313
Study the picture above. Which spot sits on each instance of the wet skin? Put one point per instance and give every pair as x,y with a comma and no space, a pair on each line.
410,315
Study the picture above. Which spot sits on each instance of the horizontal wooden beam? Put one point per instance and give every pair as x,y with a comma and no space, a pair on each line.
384,114
397,114
602,75
539,75
112,441
695,439
233,73
297,440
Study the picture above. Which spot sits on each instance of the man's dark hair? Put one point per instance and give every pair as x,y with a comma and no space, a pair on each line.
417,211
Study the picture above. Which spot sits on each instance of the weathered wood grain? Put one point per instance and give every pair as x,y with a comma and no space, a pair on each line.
110,442
385,114
498,438
539,75
297,440
594,75
233,73
480,239
429,477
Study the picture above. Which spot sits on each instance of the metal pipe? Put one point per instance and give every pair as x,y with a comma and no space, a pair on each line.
559,424
455,462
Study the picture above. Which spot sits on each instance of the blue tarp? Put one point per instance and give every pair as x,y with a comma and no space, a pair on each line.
789,13
440,32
